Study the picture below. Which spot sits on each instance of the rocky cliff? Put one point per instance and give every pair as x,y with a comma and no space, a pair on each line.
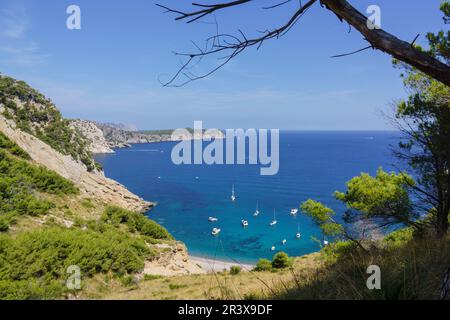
97,143
118,138
114,137
36,125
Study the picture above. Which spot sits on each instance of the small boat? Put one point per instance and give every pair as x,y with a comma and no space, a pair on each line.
256,211
215,231
298,235
233,195
294,212
274,221
273,248
325,242
244,223
212,219
284,242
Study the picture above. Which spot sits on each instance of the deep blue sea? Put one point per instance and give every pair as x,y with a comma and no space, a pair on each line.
312,165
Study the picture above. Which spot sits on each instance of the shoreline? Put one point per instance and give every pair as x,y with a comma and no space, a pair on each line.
217,265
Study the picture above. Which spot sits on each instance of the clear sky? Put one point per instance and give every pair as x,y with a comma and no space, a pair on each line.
108,71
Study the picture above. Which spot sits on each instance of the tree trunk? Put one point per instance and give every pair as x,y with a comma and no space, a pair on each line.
386,42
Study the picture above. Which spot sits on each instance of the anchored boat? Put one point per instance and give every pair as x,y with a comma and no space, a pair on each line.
298,235
256,211
274,221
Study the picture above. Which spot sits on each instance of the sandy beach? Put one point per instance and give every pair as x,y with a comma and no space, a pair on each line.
211,265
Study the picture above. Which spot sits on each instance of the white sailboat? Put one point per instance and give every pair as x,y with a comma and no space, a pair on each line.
256,211
244,223
273,248
298,235
284,242
212,219
274,221
233,195
215,231
294,212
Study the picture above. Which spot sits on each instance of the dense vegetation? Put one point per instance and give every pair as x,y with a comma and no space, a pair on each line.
13,148
21,183
35,114
135,222
43,256
34,261
413,260
33,265
422,203
411,268
280,260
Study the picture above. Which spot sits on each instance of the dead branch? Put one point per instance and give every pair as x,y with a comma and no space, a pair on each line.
234,45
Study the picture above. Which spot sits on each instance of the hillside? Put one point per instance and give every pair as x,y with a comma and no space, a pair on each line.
34,114
57,209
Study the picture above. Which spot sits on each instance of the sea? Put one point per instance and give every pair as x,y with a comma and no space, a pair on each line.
312,165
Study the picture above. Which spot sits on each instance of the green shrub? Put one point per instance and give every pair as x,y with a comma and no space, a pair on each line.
4,223
44,255
20,182
399,238
12,147
338,249
98,166
174,286
87,203
136,222
235,270
281,260
34,177
149,277
30,289
43,121
263,265
128,280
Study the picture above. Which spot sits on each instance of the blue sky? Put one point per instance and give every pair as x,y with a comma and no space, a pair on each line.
108,71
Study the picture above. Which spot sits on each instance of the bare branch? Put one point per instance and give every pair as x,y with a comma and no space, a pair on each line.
388,43
226,42
354,52
345,12
208,9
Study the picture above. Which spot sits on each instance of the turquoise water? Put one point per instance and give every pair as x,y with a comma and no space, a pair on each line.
312,165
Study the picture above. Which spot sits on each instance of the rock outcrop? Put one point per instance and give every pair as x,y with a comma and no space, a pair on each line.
118,138
93,184
94,136
173,260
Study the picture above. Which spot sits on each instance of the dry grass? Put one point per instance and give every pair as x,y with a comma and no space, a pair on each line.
245,285
412,271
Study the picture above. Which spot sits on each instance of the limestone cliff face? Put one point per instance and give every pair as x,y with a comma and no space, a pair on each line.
119,138
173,260
93,184
97,143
